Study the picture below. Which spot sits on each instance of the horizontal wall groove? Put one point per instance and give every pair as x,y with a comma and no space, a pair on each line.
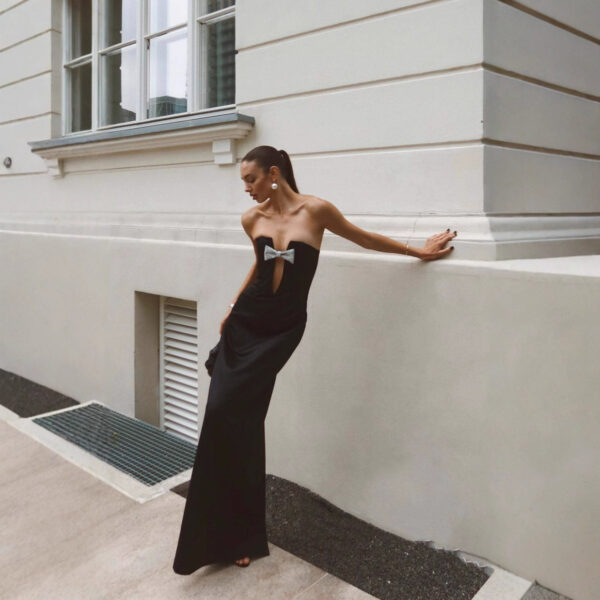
16,81
541,82
341,24
3,12
388,149
363,84
445,145
452,144
27,39
540,149
530,215
24,174
550,20
185,217
29,117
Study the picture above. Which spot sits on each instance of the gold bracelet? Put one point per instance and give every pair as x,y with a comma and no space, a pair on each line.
412,233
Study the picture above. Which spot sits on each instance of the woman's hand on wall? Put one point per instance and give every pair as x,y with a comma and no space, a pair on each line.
434,246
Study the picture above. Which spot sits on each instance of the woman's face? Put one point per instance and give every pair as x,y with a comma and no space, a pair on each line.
256,182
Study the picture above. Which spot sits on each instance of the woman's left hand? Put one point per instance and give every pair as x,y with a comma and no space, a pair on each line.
434,246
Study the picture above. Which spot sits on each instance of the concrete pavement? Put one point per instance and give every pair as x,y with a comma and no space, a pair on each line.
67,535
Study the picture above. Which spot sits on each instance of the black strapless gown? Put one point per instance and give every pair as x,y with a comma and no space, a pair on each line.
224,515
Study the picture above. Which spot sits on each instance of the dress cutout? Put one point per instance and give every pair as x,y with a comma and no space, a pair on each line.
224,514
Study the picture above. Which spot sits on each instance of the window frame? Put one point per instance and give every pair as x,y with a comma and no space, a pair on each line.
196,64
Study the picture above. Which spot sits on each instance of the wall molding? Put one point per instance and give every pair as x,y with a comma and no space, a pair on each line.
480,237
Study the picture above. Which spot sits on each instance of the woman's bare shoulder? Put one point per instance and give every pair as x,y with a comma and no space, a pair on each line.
320,208
250,212
315,203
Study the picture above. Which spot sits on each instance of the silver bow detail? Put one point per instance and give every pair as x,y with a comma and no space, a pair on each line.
285,254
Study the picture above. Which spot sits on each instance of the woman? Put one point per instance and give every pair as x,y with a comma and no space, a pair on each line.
224,515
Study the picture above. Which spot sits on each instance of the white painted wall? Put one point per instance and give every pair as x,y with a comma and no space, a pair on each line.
542,106
581,15
454,402
450,401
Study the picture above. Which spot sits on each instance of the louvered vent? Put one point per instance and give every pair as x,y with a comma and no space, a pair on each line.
179,372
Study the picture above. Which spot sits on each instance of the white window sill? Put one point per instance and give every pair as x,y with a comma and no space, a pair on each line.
222,130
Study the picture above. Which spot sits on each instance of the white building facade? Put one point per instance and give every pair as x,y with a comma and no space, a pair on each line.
453,400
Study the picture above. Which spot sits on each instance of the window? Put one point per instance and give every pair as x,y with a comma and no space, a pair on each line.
128,61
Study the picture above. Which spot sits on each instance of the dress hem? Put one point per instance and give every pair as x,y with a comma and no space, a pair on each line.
221,559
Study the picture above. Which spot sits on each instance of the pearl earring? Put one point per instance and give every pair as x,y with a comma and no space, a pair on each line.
274,185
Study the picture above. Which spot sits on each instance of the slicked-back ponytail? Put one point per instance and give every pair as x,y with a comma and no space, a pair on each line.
267,157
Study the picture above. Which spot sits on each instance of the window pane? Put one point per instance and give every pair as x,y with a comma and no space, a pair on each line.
120,19
168,74
118,85
81,97
221,63
81,27
166,13
213,5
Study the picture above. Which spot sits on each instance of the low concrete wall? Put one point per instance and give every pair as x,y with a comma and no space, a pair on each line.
454,401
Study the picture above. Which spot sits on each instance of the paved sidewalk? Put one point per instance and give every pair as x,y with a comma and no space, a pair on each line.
66,535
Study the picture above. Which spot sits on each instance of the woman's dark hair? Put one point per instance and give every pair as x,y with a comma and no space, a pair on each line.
267,157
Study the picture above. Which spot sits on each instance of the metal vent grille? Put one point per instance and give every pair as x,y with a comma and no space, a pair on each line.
130,445
179,368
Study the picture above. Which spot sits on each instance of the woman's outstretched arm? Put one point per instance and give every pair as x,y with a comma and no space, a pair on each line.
334,220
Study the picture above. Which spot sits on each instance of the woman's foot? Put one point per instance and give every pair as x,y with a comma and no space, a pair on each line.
243,562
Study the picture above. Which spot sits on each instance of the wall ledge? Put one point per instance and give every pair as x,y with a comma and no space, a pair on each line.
222,130
480,237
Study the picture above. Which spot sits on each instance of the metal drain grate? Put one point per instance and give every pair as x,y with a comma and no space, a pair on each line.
130,445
